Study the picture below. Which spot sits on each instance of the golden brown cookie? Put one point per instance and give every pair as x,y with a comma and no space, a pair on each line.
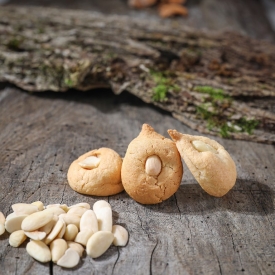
208,161
97,172
152,168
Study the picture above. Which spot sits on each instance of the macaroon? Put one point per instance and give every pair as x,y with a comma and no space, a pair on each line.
97,173
208,161
152,168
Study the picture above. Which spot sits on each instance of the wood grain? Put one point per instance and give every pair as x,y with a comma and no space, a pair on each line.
190,233
209,81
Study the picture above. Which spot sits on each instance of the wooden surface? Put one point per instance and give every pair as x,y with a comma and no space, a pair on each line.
175,68
191,233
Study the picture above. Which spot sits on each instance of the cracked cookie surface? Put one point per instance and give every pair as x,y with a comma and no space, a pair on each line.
210,163
145,188
102,180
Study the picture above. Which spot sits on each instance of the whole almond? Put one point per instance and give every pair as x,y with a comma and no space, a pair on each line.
89,221
39,204
56,210
12,215
2,229
203,147
70,219
36,220
2,218
24,208
100,204
78,210
153,165
14,222
17,238
71,232
82,204
39,251
99,243
58,248
90,162
104,218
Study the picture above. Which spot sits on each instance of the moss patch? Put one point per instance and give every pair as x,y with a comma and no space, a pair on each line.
212,109
164,83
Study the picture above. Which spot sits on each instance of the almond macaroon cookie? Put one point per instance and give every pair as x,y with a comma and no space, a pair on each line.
97,173
152,168
208,161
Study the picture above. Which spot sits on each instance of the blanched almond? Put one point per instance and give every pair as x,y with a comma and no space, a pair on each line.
39,204
2,218
203,147
99,243
58,248
39,251
153,165
78,210
104,218
55,210
100,204
82,204
49,226
71,232
11,215
90,162
69,259
35,235
24,208
56,229
70,219
61,232
17,238
36,220
120,235
77,247
89,221
14,222
2,229
83,236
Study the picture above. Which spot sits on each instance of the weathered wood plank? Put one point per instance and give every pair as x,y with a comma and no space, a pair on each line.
191,233
235,15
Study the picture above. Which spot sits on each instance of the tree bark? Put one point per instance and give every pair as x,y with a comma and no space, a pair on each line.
216,83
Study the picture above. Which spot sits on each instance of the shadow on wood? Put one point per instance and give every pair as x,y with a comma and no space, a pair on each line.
249,197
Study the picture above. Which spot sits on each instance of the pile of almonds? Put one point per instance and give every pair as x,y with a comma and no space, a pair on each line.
59,233
166,8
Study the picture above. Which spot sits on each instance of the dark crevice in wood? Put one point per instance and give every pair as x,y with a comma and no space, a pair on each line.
51,267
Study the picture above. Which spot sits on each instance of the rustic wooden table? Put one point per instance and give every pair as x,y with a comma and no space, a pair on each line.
190,233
